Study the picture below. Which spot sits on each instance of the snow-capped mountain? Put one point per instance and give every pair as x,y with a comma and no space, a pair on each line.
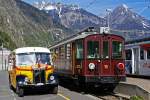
77,19
71,16
45,5
124,18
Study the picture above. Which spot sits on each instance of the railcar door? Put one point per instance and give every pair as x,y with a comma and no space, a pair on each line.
106,68
92,55
78,57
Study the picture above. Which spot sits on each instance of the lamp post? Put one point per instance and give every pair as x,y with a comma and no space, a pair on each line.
2,54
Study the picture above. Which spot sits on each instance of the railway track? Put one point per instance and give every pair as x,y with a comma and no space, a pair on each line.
97,92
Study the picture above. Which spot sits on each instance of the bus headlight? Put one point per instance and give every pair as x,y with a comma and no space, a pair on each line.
91,66
51,77
26,80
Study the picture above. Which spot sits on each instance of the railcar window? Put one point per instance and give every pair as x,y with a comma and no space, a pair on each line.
141,54
68,51
62,52
92,49
56,50
128,54
116,49
105,49
148,54
79,50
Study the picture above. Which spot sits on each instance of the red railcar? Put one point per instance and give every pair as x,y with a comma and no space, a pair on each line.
90,58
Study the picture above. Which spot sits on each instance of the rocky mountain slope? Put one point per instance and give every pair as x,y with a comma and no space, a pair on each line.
27,25
123,18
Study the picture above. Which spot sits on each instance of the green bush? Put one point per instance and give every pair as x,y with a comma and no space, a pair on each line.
136,98
7,41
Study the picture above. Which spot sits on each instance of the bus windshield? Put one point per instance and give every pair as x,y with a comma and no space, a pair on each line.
28,59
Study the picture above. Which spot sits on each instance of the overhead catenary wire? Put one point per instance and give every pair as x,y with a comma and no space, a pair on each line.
91,3
130,31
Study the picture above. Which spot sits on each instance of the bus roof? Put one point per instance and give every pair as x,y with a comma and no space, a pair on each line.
31,49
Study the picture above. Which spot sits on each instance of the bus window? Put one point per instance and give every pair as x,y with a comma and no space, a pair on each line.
79,50
116,49
128,54
105,49
92,49
148,54
141,54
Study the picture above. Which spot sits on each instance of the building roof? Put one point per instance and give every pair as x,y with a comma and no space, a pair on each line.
143,40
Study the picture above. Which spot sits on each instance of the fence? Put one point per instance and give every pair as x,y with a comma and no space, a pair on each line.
4,59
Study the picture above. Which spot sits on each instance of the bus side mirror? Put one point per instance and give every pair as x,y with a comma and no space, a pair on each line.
9,61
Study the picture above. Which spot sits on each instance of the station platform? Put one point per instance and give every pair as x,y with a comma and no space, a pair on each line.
134,87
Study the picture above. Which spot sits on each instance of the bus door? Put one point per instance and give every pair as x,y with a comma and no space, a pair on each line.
92,55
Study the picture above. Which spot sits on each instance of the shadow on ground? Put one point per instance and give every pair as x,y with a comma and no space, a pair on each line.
96,91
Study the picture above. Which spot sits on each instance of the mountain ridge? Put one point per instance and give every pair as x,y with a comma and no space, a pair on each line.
71,16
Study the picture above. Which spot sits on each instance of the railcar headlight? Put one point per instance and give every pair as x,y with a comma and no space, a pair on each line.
51,77
91,66
120,66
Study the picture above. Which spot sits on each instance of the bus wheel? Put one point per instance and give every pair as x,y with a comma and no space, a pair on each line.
19,91
55,90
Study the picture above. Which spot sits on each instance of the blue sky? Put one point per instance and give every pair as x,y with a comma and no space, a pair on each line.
99,7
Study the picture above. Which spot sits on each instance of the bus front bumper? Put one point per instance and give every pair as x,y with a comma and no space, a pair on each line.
38,85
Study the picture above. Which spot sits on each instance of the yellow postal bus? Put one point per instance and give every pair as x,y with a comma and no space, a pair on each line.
31,67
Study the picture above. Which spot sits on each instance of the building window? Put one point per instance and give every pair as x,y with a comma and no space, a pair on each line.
141,54
148,54
128,54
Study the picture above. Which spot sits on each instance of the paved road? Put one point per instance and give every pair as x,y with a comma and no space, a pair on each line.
63,94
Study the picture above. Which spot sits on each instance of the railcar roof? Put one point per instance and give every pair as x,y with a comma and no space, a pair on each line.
76,37
72,38
31,49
